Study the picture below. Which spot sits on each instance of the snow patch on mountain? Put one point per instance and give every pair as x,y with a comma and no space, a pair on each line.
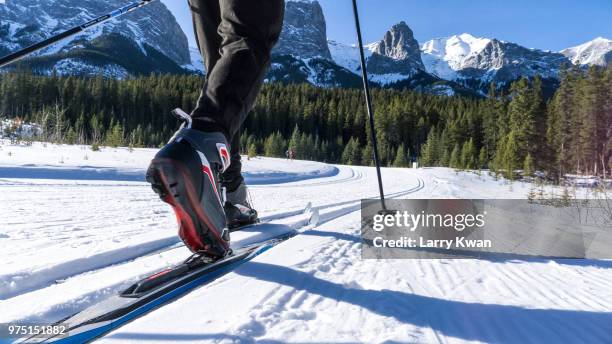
444,56
197,63
347,56
389,78
595,52
72,66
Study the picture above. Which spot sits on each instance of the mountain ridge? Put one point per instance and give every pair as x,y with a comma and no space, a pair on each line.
141,44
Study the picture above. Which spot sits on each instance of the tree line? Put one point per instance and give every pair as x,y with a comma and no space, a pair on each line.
505,131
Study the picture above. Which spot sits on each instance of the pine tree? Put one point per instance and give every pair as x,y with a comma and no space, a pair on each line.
115,137
538,148
511,156
482,158
252,150
400,158
367,156
528,166
468,153
71,136
351,154
295,142
430,150
275,145
522,117
455,157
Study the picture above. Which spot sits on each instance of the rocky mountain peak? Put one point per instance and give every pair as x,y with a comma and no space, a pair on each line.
505,61
398,43
304,31
397,53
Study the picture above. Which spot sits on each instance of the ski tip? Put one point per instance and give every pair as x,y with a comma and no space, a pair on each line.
314,218
308,208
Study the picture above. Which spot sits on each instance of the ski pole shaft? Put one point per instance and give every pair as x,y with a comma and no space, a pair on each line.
366,90
75,30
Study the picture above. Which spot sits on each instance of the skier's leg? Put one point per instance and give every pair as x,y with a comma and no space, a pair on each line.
232,177
206,16
238,209
249,30
186,172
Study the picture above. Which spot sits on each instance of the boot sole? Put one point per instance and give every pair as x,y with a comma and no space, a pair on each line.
170,180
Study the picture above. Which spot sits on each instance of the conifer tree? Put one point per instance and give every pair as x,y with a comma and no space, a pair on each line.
468,153
430,150
252,150
455,157
482,158
521,117
528,166
400,158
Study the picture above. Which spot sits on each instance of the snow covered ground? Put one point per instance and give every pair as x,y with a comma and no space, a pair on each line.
77,226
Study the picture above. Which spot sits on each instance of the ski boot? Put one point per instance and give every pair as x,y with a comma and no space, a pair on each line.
238,210
185,174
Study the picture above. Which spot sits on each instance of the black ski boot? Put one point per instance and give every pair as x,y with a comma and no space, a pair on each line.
185,174
238,211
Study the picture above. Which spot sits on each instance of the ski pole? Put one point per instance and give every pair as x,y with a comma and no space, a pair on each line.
366,90
51,40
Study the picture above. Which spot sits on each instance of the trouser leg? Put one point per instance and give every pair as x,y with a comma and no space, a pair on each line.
206,16
232,177
248,29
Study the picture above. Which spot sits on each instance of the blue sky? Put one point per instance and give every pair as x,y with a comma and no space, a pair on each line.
543,24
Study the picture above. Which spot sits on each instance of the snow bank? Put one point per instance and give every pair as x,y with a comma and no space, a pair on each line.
79,162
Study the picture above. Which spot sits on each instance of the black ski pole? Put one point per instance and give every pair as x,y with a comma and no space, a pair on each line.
366,90
51,40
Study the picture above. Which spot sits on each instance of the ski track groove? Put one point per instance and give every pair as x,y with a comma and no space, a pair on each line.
502,278
335,258
72,273
82,300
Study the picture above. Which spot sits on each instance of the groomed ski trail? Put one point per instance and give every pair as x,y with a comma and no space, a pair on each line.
120,265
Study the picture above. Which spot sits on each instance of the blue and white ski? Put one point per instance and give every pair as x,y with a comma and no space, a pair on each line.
167,285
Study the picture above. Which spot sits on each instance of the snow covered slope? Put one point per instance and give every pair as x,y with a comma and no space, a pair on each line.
197,63
75,230
149,40
443,57
596,52
347,56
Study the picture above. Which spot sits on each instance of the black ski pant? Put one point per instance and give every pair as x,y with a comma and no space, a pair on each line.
235,38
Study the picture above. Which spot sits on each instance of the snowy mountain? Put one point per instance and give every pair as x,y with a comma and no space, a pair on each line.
475,62
347,56
596,52
149,40
395,57
302,53
394,61
398,52
443,57
505,61
304,31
